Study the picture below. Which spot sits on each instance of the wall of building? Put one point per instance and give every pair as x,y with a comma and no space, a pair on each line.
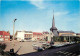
20,35
4,36
78,34
31,35
28,35
67,34
37,35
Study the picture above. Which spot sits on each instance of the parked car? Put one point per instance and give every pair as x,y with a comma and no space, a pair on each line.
22,40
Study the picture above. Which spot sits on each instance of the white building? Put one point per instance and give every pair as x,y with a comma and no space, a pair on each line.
21,35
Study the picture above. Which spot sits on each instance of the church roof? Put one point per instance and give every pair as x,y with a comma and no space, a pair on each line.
77,33
65,31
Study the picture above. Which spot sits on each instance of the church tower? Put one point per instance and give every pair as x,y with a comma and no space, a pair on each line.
53,28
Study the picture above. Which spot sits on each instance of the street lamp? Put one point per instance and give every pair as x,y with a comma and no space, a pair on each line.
69,37
13,30
12,50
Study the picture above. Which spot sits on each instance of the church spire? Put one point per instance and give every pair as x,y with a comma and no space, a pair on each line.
53,28
53,23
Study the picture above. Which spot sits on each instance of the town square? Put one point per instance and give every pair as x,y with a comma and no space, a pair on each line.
39,28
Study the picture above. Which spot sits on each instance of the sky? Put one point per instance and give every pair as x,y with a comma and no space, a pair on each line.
37,15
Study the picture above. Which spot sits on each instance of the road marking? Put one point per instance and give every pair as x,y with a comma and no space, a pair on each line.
69,53
59,51
62,52
66,52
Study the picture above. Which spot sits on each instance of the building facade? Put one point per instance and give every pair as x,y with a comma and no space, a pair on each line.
37,35
28,35
4,36
78,34
21,35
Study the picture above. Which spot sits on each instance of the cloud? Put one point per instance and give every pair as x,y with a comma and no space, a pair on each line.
38,3
61,13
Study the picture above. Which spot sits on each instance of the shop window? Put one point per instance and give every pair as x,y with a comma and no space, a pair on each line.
7,36
1,35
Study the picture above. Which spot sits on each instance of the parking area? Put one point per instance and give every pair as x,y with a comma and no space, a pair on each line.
26,47
22,47
70,50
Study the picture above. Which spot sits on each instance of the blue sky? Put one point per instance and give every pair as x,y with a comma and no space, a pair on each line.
37,16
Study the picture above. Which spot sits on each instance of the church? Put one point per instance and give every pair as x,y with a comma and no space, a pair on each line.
56,32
